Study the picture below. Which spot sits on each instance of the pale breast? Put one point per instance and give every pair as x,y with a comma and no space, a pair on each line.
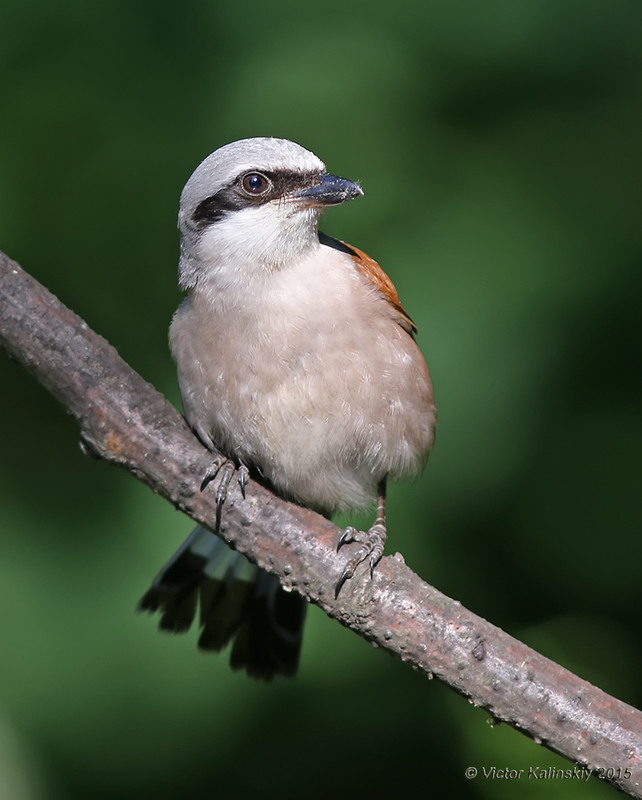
310,379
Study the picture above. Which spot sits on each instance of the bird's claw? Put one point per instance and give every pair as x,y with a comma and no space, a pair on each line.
224,469
212,471
347,536
372,545
244,478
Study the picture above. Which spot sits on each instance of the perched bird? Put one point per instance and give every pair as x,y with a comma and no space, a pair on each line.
298,362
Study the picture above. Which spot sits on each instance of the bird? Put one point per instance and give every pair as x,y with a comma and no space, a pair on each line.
297,361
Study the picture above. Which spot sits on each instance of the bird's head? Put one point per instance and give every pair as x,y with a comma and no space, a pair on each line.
254,205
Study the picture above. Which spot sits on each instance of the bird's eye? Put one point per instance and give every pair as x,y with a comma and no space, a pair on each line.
255,183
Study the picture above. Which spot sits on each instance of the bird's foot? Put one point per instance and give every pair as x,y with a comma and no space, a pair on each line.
372,543
223,469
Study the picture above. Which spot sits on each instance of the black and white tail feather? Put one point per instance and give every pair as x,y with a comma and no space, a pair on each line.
235,600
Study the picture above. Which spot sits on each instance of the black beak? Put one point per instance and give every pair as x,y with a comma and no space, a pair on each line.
329,191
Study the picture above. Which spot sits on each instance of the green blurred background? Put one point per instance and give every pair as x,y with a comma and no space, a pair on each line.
499,147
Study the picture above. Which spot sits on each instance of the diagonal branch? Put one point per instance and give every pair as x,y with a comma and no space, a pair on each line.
126,421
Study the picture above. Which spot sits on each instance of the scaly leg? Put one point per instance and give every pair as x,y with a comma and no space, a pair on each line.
372,541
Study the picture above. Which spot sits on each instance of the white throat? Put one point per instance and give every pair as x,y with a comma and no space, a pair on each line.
247,244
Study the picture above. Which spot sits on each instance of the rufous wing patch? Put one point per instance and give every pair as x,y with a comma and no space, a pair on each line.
371,270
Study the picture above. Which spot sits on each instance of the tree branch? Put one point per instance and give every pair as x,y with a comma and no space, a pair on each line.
126,421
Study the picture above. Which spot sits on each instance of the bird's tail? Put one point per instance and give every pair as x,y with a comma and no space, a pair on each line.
238,602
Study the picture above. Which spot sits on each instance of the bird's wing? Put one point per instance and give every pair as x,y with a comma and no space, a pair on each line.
373,273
